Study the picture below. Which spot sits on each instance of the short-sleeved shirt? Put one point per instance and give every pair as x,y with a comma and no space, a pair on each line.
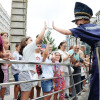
29,56
76,55
64,55
38,57
16,68
47,70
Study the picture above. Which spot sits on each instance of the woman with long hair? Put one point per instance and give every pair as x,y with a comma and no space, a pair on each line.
29,70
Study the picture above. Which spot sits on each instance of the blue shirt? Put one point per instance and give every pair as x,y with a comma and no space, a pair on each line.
89,33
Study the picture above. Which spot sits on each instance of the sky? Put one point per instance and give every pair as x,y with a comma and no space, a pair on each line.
59,11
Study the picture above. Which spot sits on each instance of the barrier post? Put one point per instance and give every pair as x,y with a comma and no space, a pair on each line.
72,83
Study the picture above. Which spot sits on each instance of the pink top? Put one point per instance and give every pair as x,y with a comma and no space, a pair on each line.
4,67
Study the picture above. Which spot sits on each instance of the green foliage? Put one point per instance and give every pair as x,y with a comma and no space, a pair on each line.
50,39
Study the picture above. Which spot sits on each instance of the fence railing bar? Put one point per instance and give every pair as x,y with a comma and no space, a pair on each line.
57,92
12,80
24,62
72,98
52,93
82,81
79,73
42,63
12,83
21,82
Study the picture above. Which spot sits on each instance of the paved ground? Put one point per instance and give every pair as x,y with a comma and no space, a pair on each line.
84,95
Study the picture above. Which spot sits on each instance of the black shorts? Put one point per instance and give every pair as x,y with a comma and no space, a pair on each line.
1,75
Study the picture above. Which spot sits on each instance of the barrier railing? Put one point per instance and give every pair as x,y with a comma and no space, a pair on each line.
72,85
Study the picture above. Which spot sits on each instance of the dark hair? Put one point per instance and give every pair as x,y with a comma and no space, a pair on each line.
17,44
23,44
37,35
60,60
40,41
71,47
61,44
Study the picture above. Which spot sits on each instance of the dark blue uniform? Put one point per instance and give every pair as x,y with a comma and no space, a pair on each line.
90,33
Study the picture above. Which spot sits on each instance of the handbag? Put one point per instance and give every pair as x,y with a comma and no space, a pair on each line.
38,69
72,60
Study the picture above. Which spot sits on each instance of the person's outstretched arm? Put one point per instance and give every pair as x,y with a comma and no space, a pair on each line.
40,37
46,52
63,31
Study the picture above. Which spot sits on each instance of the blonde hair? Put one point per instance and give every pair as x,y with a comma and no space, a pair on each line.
2,33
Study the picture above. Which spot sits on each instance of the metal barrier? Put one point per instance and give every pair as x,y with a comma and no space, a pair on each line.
72,85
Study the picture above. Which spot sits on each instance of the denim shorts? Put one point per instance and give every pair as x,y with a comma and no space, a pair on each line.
16,77
46,85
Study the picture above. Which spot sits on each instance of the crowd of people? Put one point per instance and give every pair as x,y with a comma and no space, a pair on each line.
34,51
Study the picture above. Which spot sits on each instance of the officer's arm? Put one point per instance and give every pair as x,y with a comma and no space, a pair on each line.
63,31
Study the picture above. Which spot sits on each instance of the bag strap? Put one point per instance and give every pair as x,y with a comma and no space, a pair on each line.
90,60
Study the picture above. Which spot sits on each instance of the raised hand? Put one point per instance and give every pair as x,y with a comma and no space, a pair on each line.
45,25
47,40
53,25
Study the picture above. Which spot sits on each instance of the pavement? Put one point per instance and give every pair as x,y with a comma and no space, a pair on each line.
84,95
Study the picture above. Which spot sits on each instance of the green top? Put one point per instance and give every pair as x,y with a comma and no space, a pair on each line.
76,55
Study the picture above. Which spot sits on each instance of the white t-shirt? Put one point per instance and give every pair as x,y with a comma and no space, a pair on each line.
29,56
47,70
38,57
63,55
16,68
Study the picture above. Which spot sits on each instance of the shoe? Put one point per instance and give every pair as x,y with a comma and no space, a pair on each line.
66,96
70,94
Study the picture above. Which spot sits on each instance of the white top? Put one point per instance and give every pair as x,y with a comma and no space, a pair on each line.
82,71
16,68
29,56
47,70
63,55
38,57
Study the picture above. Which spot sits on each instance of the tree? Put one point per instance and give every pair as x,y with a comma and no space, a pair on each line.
50,39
